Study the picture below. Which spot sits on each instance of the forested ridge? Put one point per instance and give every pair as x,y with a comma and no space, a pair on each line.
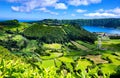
104,22
10,23
62,33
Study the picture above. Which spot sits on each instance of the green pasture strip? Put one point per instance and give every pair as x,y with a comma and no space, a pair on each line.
52,56
52,46
48,63
112,58
108,68
112,41
82,64
66,59
86,44
79,46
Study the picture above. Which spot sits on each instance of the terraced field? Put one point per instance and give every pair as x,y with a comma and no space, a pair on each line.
97,59
79,46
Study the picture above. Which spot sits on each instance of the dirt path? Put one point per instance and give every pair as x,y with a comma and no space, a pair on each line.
79,46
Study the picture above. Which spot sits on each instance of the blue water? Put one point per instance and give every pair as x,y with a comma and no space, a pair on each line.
102,29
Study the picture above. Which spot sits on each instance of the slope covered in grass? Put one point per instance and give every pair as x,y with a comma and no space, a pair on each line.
45,33
61,33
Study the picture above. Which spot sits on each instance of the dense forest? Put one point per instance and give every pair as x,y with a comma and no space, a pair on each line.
10,23
106,22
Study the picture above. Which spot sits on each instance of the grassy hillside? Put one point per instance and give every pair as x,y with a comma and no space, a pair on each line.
62,33
46,33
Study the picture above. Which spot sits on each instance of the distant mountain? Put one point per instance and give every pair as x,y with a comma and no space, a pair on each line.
10,23
114,23
95,22
92,22
104,22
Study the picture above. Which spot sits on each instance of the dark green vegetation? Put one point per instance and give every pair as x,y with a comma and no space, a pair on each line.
49,49
115,37
10,23
60,34
114,23
106,22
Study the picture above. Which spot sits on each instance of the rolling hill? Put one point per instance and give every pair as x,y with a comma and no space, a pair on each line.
61,33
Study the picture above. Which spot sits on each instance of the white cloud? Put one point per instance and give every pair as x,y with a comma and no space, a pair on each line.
47,11
73,15
60,6
47,2
100,10
115,12
17,1
20,8
97,14
28,5
95,1
80,10
43,9
32,4
77,2
83,2
40,2
54,13
15,8
13,0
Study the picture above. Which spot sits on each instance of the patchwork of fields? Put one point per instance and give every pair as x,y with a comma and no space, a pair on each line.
47,50
62,62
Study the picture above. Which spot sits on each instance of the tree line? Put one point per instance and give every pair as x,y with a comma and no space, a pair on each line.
105,22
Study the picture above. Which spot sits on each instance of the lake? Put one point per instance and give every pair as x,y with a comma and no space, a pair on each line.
102,29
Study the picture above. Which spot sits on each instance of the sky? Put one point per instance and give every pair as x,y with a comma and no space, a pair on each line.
59,9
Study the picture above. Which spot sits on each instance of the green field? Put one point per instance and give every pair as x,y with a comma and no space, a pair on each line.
62,63
72,55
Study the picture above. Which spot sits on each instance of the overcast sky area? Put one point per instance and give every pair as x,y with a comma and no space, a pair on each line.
59,9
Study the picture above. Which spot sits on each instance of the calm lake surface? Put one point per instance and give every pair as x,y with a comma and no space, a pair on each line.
102,29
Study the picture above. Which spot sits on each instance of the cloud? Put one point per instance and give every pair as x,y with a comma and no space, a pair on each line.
115,12
80,11
60,6
40,2
29,5
97,14
83,2
47,11
45,3
15,8
17,1
20,9
32,4
100,10
13,0
73,15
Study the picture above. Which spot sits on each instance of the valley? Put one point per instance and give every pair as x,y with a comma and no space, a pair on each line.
48,49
